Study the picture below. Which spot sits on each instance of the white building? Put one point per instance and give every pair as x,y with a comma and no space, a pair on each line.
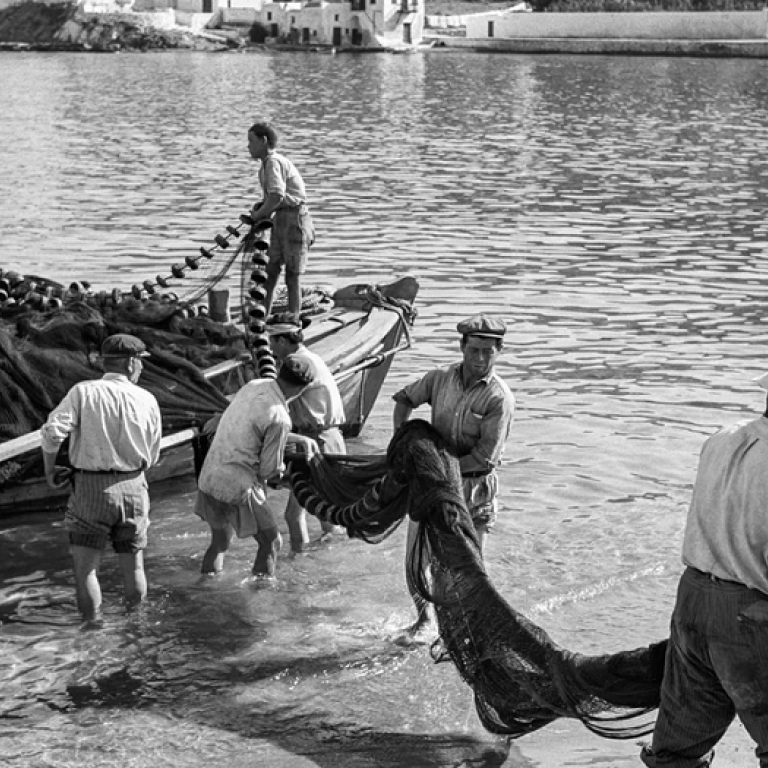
387,24
346,23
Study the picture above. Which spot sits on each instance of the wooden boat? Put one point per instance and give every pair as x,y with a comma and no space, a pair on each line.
358,333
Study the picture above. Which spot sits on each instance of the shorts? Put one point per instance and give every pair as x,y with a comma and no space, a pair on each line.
108,507
292,235
480,494
247,519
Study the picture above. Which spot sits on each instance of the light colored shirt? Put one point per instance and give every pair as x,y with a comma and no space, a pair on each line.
474,421
111,423
278,176
249,442
320,405
727,529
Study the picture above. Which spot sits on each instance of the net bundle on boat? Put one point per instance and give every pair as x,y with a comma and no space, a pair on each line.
42,355
50,335
522,680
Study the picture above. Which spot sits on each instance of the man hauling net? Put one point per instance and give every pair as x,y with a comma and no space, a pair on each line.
521,679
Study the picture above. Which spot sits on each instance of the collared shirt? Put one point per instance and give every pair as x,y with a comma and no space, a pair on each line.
727,529
249,442
112,425
474,421
320,405
278,176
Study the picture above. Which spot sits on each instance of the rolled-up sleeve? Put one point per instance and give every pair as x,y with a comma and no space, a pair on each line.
495,428
418,392
272,449
60,423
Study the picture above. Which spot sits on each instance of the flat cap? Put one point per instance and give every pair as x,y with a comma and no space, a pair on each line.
285,322
123,345
296,370
482,325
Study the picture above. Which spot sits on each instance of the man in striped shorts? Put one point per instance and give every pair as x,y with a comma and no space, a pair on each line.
114,432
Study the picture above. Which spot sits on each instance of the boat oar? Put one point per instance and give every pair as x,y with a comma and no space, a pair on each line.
370,362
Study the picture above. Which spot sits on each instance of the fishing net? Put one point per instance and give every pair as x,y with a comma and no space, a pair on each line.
50,335
43,355
521,679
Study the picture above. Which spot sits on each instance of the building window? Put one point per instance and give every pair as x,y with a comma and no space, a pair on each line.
490,29
293,19
269,16
336,17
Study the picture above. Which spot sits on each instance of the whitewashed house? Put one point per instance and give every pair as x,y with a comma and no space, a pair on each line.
346,23
385,24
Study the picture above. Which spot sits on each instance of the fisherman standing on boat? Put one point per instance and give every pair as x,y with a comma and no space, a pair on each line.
717,658
284,196
472,409
318,414
114,431
246,456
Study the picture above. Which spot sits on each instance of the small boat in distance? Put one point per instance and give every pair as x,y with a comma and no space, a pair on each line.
357,330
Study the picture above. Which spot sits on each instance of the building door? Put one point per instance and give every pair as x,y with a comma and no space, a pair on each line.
274,30
407,33
207,6
337,36
357,37
305,35
490,29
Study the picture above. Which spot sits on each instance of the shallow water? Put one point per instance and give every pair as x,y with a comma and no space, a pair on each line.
611,209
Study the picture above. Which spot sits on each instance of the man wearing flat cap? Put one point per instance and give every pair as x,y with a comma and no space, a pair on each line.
246,455
716,664
472,409
318,413
114,431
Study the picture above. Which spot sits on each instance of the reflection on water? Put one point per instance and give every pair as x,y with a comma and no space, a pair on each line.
612,209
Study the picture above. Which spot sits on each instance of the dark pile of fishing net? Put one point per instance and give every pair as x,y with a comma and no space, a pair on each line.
43,354
521,679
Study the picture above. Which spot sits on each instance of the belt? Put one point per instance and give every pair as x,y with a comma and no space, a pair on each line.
291,208
716,579
108,471
477,473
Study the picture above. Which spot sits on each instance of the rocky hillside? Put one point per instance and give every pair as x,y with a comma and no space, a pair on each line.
64,26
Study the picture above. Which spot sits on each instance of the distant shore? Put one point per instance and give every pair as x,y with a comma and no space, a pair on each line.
463,7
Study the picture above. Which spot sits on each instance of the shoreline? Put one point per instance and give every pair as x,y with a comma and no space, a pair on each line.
748,49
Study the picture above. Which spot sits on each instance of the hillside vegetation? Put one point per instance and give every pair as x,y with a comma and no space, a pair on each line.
463,7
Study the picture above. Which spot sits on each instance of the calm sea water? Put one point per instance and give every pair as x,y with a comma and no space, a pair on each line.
612,209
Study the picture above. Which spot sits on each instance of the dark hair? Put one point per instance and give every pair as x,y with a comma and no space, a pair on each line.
266,130
499,343
294,337
301,376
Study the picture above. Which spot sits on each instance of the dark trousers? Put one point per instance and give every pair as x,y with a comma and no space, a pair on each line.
716,668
